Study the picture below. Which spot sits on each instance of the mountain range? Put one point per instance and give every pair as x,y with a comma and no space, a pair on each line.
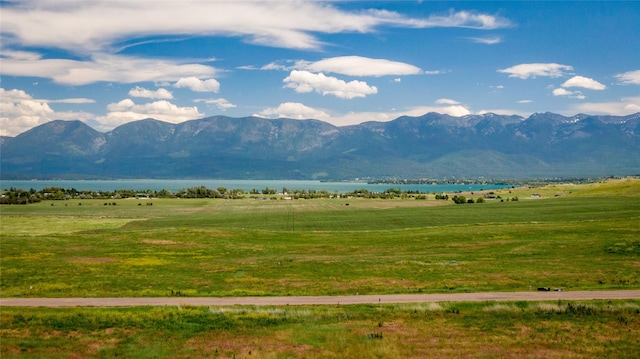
429,146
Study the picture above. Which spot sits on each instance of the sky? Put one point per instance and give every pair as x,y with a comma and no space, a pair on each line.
110,62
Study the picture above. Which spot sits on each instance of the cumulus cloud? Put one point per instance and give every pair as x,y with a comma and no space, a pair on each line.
584,82
525,71
101,67
197,85
564,92
293,110
629,78
20,112
305,81
220,103
86,26
362,66
127,110
160,93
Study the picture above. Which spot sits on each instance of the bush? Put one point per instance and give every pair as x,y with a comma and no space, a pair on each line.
459,199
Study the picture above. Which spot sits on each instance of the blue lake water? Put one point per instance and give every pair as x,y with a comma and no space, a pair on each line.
246,185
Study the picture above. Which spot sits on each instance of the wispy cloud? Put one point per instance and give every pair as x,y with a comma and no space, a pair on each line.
463,19
101,68
629,78
571,94
486,40
525,71
87,26
220,103
446,101
625,106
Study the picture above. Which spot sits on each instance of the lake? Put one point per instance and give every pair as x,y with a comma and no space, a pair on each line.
246,185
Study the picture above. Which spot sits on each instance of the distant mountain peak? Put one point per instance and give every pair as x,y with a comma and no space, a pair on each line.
428,146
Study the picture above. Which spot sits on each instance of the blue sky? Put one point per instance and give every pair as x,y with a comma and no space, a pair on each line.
109,62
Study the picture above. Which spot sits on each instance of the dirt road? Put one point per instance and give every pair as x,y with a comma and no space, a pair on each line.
319,300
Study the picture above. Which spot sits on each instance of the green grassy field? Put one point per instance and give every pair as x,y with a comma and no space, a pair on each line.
577,237
588,238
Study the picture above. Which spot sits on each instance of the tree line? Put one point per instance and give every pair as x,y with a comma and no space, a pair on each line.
21,196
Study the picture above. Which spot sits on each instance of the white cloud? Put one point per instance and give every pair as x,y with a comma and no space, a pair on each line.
625,106
126,111
456,110
525,101
197,85
160,93
629,78
464,19
85,26
564,92
293,110
76,101
300,111
346,65
101,67
561,92
21,55
584,82
305,81
446,101
525,71
20,112
362,66
354,118
286,65
486,40
220,103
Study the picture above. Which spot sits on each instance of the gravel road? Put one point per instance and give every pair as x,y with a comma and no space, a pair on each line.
319,300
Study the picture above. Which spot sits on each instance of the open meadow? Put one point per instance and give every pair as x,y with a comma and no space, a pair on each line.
574,237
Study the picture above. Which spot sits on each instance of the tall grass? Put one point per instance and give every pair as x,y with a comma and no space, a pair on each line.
511,330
